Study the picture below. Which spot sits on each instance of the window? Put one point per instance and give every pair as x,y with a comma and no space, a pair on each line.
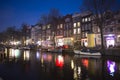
61,25
43,27
65,33
118,38
58,27
83,20
86,27
48,26
78,30
83,28
78,24
89,19
118,28
57,32
61,32
98,29
111,29
70,32
74,31
70,25
85,34
74,25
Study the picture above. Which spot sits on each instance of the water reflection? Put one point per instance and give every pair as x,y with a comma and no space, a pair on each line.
14,53
59,61
37,65
87,67
26,55
111,67
38,55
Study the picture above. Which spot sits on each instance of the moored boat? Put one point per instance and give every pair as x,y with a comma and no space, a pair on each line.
88,52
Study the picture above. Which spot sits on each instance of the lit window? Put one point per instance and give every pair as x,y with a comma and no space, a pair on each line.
74,24
78,24
118,38
48,26
58,27
78,30
89,19
85,19
61,25
98,29
74,31
85,34
43,27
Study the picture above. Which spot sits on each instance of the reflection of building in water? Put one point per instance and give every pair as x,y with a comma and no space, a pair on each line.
111,65
59,61
95,66
14,53
77,72
26,55
76,66
86,68
38,55
85,62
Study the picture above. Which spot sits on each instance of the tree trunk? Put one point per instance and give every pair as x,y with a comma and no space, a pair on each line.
102,39
54,40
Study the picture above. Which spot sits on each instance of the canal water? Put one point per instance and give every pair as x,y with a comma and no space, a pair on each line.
36,65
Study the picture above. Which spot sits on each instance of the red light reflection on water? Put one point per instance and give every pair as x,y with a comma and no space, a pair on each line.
85,62
59,61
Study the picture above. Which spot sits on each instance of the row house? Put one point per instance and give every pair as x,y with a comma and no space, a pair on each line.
64,31
36,34
79,28
26,33
59,33
41,35
68,30
86,27
112,29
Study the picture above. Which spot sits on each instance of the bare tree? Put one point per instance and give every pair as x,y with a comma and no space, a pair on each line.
51,18
43,19
98,8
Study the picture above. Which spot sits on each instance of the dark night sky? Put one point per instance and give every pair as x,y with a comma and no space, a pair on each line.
16,12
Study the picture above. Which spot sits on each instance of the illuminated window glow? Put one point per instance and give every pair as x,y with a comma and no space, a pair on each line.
78,24
74,31
61,25
78,30
74,25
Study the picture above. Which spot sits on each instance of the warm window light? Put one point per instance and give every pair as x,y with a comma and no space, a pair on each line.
74,31
74,24
26,55
48,26
72,39
78,30
78,24
83,20
61,25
